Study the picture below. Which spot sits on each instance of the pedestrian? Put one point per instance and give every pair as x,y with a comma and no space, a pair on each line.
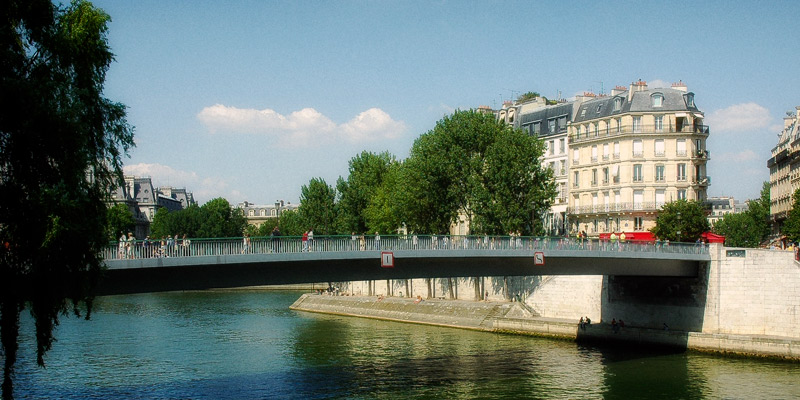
304,240
123,240
186,246
129,246
311,239
614,326
353,241
245,244
377,241
276,238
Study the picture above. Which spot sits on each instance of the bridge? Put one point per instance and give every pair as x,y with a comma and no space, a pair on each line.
196,264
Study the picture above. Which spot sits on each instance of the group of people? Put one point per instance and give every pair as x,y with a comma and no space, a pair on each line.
167,246
615,326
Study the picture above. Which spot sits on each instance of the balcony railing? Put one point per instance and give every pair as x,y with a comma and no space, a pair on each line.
615,207
642,130
702,181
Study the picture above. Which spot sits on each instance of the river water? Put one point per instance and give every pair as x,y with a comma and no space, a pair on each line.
249,345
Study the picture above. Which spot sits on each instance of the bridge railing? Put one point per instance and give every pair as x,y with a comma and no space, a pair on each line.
295,244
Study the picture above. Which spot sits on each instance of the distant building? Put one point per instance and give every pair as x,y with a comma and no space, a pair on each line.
722,206
143,199
632,152
258,214
784,170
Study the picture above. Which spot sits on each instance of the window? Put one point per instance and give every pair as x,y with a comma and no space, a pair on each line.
689,98
594,153
637,223
638,199
681,194
605,152
575,156
599,107
536,128
596,129
575,177
562,124
552,166
551,123
562,146
619,125
681,148
637,172
657,99
594,177
251,213
616,150
594,201
659,123
552,147
637,148
605,175
637,124
681,172
659,147
606,200
616,200
660,197
578,131
659,173
618,104
563,169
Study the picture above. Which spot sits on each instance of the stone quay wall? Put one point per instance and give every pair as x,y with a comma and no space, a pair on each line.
744,301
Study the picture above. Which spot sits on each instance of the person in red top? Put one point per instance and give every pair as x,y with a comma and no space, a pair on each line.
305,241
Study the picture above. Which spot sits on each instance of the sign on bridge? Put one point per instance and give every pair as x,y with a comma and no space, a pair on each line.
387,259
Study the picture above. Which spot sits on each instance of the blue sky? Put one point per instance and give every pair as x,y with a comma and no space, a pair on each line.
249,100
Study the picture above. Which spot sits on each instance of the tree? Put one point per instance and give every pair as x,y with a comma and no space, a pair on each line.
384,211
290,223
681,221
317,207
367,171
474,165
738,230
527,96
119,220
220,220
61,147
750,228
791,227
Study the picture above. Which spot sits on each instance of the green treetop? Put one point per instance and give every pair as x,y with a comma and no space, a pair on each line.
681,221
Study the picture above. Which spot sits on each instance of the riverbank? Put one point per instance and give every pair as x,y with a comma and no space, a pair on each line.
517,318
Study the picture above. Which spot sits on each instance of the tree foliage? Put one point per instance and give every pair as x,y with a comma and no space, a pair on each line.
681,221
55,129
384,211
317,208
527,96
119,220
215,219
367,171
472,164
750,228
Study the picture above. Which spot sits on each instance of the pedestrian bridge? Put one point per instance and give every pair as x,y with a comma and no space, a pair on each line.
136,267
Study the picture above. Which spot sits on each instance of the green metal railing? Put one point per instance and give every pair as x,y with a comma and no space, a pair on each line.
295,244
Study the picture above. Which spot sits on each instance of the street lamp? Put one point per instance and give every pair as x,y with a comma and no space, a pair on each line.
678,213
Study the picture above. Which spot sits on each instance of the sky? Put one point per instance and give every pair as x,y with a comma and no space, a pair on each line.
250,100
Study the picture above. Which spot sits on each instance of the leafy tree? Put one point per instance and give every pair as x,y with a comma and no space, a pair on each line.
317,207
219,220
290,223
684,216
384,211
738,230
56,129
748,229
470,163
367,171
527,96
791,227
119,220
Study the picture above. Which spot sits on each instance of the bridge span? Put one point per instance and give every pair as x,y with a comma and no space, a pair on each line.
136,267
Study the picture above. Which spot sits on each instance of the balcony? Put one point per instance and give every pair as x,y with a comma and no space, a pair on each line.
594,159
702,181
643,130
702,155
615,208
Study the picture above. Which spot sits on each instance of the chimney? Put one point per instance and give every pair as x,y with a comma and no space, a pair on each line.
680,86
637,86
618,90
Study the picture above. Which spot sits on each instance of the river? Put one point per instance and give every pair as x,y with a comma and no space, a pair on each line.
247,344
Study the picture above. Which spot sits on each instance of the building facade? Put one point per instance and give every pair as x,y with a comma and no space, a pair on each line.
632,152
722,206
784,170
259,214
143,199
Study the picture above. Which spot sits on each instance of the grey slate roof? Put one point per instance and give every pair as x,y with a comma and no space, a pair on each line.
673,100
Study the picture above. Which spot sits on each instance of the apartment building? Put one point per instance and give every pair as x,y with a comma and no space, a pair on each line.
632,152
784,170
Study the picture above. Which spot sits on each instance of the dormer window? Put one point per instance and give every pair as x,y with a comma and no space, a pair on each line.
618,104
599,108
657,100
689,97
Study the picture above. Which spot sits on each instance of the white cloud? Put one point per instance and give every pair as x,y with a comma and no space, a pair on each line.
739,117
204,189
658,83
302,127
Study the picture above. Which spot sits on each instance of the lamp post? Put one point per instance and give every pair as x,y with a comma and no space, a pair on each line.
679,226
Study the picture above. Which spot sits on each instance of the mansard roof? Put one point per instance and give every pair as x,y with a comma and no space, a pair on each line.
546,113
673,101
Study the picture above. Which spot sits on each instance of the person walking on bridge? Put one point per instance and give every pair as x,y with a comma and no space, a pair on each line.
305,241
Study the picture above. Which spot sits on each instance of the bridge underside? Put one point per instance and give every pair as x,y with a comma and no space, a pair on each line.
165,274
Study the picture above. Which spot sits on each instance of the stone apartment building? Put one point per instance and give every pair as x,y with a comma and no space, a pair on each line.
632,152
144,199
784,170
258,214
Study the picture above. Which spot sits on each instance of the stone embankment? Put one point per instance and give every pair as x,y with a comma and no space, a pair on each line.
514,317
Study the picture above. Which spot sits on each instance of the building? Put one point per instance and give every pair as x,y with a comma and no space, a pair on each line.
143,199
258,214
722,206
631,152
784,170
